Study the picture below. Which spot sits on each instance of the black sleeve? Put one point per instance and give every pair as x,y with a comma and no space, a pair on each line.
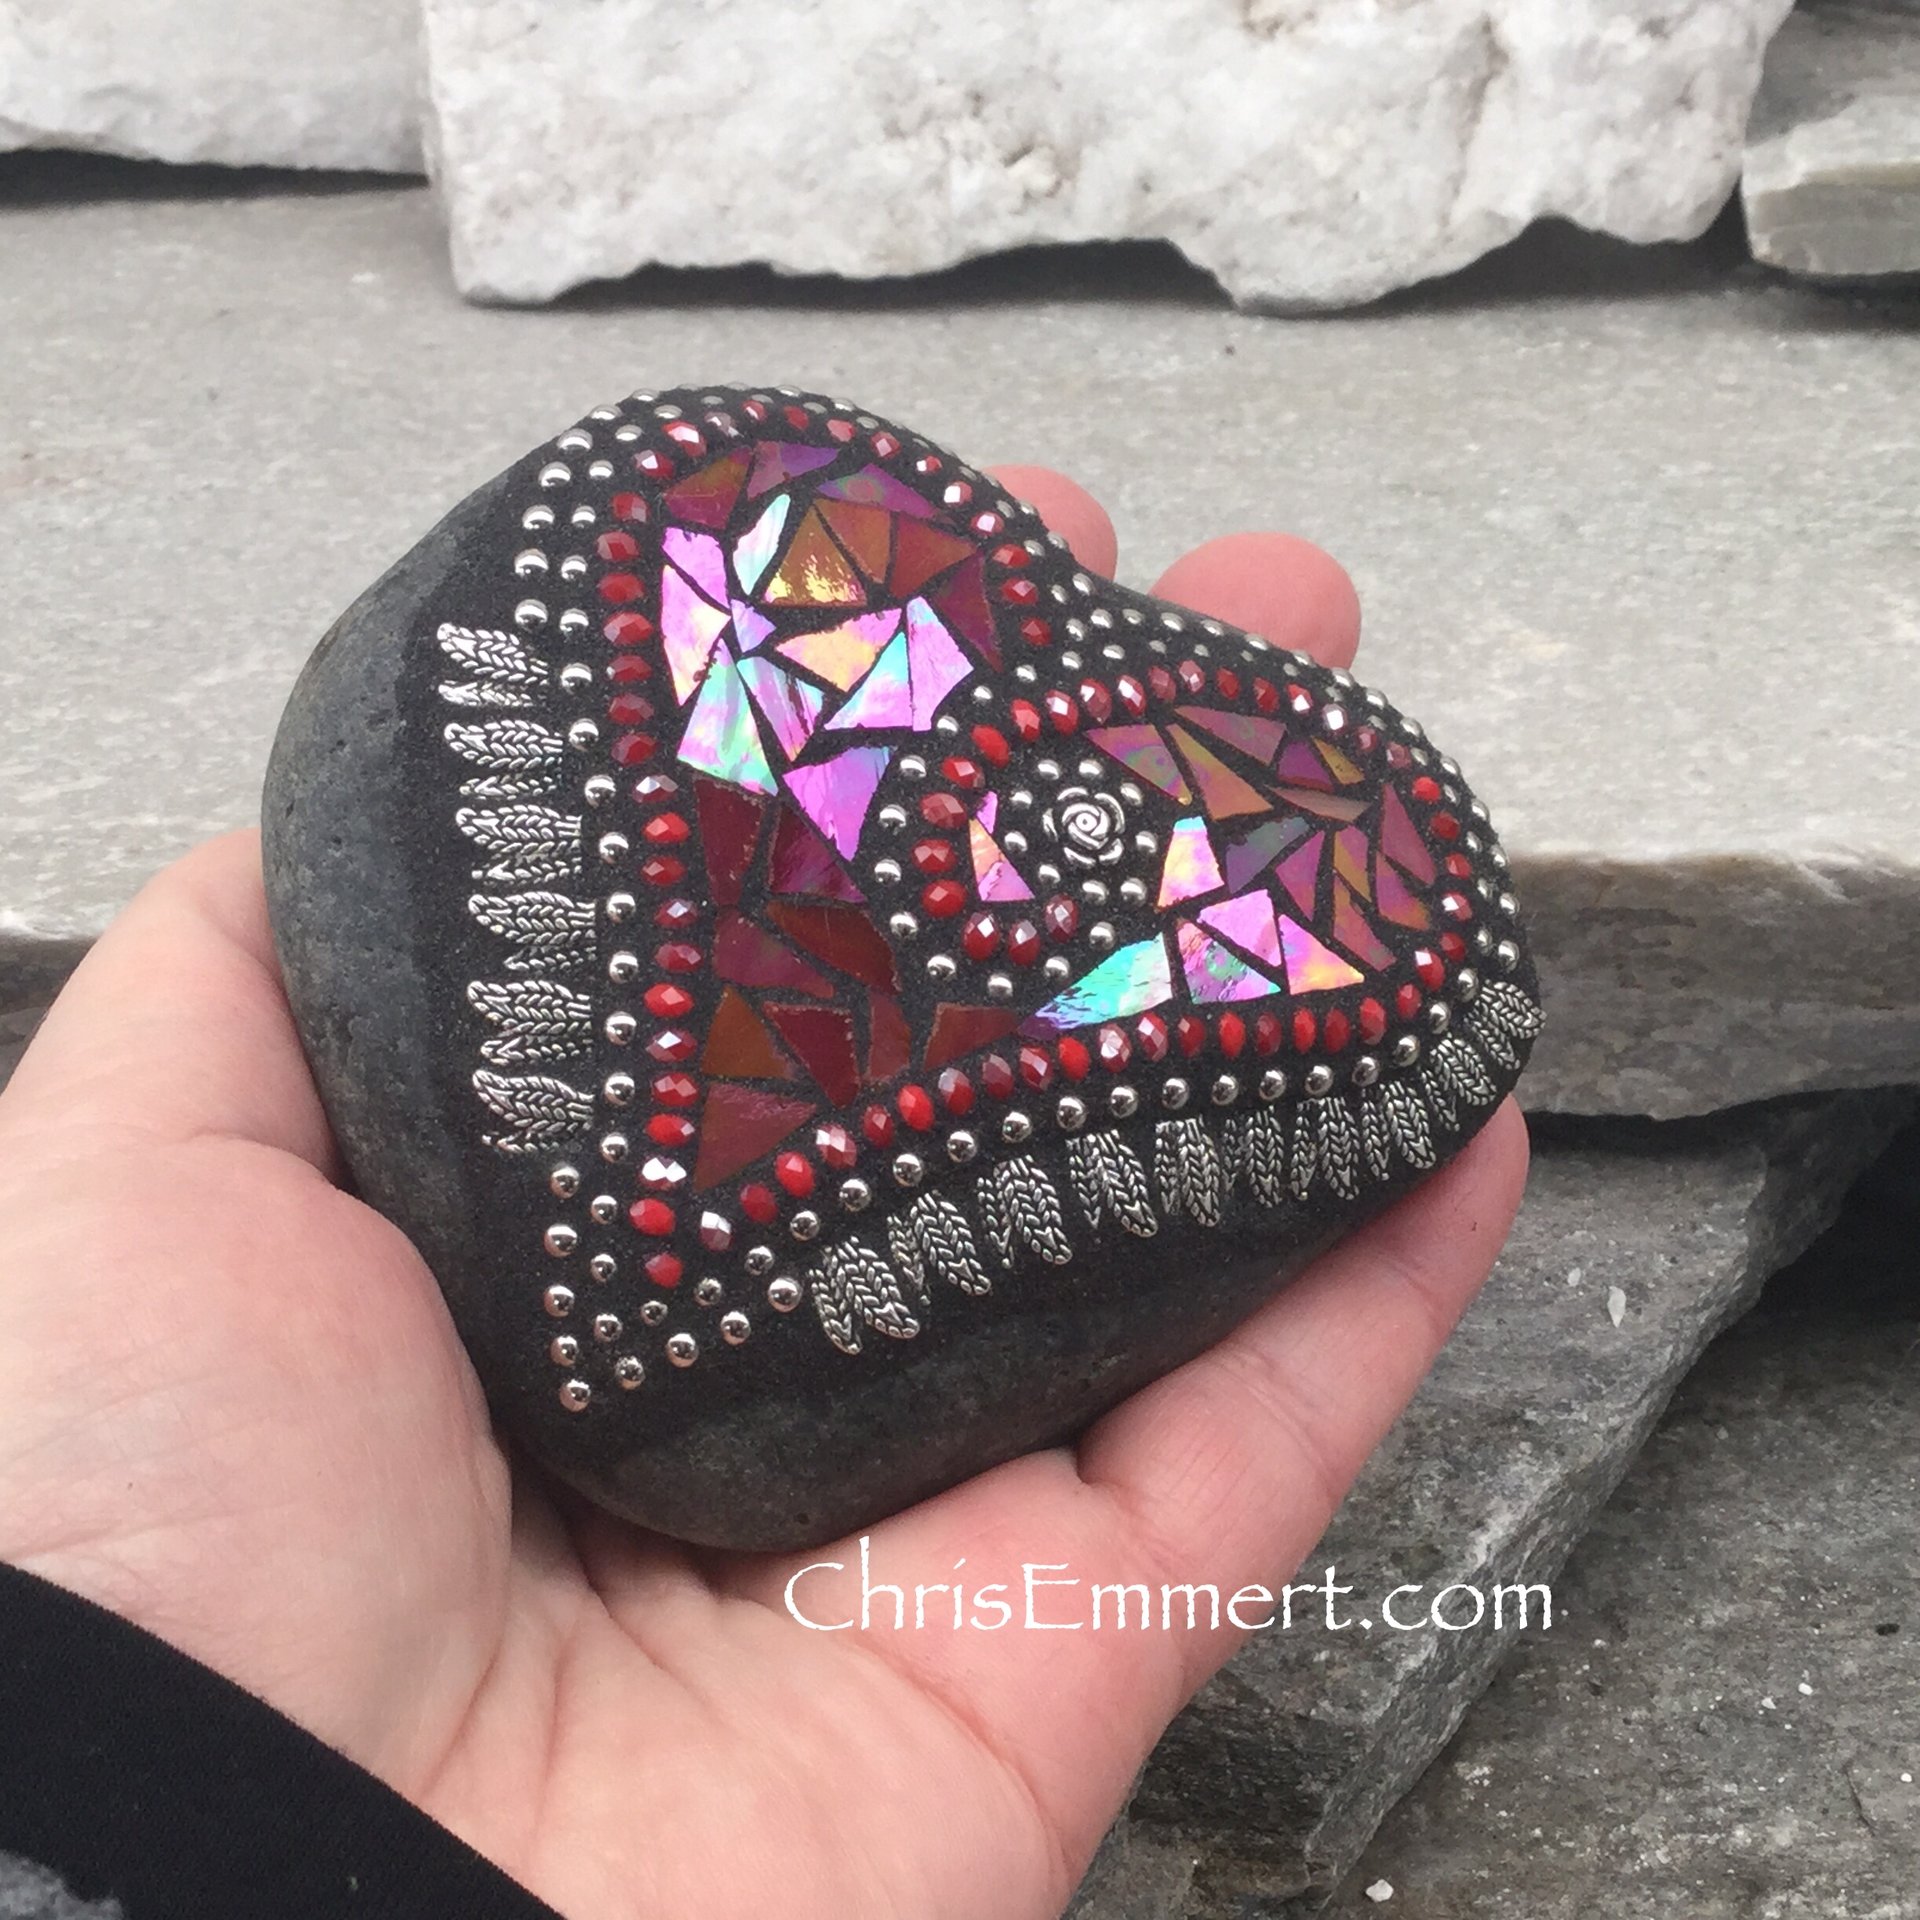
136,1775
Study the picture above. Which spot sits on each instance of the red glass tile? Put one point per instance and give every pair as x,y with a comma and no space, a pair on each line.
841,936
959,1029
822,1039
739,1047
729,829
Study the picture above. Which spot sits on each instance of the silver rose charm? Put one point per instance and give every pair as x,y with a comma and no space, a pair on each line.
1089,826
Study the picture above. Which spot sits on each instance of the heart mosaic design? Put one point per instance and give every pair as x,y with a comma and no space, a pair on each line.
839,993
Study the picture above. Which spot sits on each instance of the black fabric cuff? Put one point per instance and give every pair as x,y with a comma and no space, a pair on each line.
137,1774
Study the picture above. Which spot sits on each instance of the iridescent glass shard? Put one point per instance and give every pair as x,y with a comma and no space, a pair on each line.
836,794
1141,750
1350,850
775,462
755,548
938,664
1222,792
841,936
707,497
1352,929
729,822
791,707
843,654
1401,839
1302,767
1395,901
739,1047
1312,966
748,955
889,1043
961,601
689,627
1299,874
1248,922
1325,806
1191,867
1256,851
750,626
885,698
1247,731
720,736
1338,764
959,1030
738,1125
802,862
814,572
822,1040
1131,980
698,556
995,876
865,532
921,551
1215,976
875,487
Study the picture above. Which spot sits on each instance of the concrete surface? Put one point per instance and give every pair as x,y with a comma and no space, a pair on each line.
1634,530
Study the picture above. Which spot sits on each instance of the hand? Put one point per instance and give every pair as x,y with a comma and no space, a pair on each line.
234,1410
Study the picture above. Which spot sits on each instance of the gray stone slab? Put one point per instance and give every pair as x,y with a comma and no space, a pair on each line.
1635,1246
1724,1721
1316,154
1831,180
1633,528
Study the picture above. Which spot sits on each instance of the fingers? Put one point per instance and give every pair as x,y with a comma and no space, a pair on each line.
1229,1468
175,1024
1069,510
1274,584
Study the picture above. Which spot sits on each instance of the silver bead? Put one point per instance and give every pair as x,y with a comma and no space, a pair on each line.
1319,1080
604,1208
1123,1103
1366,1070
759,1260
621,907
961,1146
892,818
1273,1083
1508,955
1406,1050
805,1225
613,848
652,1312
903,926
709,1291
603,1267
574,1396
783,1294
563,1350
560,1239
558,1302
999,987
614,1148
606,1327
1071,1113
735,1327
564,1182
909,1169
1100,936
1466,984
628,1371
1015,1127
886,871
619,1089
912,767
623,966
941,966
855,1195
1439,1016
682,1349
598,790
620,1028
1225,1090
1133,892
1173,1095
1055,967
582,735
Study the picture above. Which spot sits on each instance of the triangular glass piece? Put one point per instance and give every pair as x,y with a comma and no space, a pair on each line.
1324,806
1222,792
1191,867
1242,859
836,794
738,1125
1299,764
1247,731
1394,900
748,955
822,1038
843,654
1352,930
885,697
995,876
755,548
1401,839
1350,850
750,626
841,936
959,1030
961,601
1215,976
865,532
1313,967
1338,764
1142,750
791,707
1130,980
1248,922
698,556
802,862
937,663
706,498
689,626
921,551
775,462
729,822
720,736
889,1044
1299,873
875,487
739,1047
814,572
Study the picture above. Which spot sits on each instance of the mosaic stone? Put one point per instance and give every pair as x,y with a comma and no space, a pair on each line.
849,994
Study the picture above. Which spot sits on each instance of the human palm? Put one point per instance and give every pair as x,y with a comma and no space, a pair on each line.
233,1409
